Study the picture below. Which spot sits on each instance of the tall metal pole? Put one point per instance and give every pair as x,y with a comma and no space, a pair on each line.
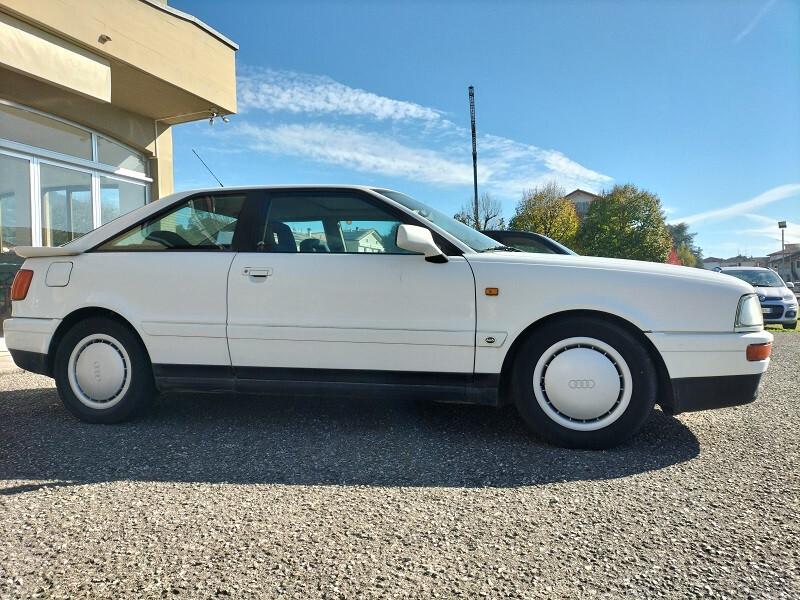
476,213
782,227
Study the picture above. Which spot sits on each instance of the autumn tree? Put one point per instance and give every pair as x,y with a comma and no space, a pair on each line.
545,210
690,254
490,213
626,222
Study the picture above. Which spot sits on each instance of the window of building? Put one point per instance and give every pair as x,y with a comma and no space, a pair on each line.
58,180
34,129
117,155
118,197
66,204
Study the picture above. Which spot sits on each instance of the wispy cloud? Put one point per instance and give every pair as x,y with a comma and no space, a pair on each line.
287,91
320,119
782,192
765,8
358,150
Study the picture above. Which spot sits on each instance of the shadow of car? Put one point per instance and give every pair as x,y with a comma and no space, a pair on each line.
309,441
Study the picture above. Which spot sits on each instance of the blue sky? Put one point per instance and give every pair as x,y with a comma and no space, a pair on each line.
698,102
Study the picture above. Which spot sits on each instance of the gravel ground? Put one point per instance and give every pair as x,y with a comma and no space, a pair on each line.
246,497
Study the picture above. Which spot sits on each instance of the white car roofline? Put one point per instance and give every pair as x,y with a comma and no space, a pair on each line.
120,224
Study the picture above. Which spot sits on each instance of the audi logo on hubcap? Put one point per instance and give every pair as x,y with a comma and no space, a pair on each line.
581,384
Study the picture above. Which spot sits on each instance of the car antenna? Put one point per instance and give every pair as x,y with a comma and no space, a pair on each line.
207,167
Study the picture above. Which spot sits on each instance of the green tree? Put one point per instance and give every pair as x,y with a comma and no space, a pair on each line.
686,255
683,240
545,210
626,223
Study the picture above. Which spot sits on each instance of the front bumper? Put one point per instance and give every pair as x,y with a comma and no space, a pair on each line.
779,313
703,393
709,370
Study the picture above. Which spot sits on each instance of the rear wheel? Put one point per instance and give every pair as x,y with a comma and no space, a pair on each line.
584,383
102,372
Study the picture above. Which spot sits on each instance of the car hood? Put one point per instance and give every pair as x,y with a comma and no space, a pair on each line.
773,292
653,296
618,265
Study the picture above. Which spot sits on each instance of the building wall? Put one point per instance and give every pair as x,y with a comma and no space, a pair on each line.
122,72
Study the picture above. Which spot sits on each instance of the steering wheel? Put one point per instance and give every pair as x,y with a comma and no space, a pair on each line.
169,239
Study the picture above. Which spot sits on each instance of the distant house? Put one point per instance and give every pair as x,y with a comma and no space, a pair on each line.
712,262
582,200
363,240
787,265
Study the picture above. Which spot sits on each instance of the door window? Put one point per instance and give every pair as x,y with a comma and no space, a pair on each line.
200,223
329,222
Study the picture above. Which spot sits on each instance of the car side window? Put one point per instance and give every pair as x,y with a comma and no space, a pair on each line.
326,222
205,222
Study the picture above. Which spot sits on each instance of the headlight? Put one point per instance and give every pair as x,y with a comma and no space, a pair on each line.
789,297
749,313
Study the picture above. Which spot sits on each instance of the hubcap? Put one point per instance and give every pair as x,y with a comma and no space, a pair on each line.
99,371
582,383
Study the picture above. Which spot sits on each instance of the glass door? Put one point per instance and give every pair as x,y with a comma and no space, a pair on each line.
66,204
15,222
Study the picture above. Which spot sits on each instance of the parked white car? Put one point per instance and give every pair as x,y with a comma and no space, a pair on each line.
344,289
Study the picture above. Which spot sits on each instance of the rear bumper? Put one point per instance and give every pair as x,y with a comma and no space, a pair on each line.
704,393
28,341
31,361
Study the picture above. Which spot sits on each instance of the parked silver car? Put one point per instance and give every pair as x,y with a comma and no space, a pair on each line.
778,300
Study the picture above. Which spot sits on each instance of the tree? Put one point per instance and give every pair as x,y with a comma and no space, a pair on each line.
545,210
686,255
489,213
626,223
690,254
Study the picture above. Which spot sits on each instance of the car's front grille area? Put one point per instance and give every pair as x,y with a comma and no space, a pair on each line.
772,312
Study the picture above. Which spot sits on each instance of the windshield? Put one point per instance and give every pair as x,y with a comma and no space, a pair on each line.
758,278
474,239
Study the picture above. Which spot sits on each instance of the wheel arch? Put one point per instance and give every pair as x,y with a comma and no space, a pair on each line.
79,315
664,387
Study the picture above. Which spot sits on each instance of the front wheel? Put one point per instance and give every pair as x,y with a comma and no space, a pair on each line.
102,372
584,383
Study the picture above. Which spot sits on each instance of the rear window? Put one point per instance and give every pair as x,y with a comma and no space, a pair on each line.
200,223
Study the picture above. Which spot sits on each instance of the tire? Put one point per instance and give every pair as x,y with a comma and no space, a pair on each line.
790,325
102,372
595,385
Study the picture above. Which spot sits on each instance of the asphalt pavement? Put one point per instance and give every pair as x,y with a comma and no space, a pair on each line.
247,497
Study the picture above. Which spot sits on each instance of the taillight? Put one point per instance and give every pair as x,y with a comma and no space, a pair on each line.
22,281
759,351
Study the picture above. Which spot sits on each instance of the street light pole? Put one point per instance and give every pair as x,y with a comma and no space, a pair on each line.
782,227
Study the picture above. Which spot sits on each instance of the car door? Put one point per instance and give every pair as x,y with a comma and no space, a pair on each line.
330,290
168,275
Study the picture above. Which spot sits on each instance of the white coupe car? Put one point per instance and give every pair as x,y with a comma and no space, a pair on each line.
338,290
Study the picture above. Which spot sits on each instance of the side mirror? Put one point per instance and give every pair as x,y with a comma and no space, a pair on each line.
790,285
419,239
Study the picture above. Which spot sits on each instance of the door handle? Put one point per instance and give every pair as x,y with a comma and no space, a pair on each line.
260,273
